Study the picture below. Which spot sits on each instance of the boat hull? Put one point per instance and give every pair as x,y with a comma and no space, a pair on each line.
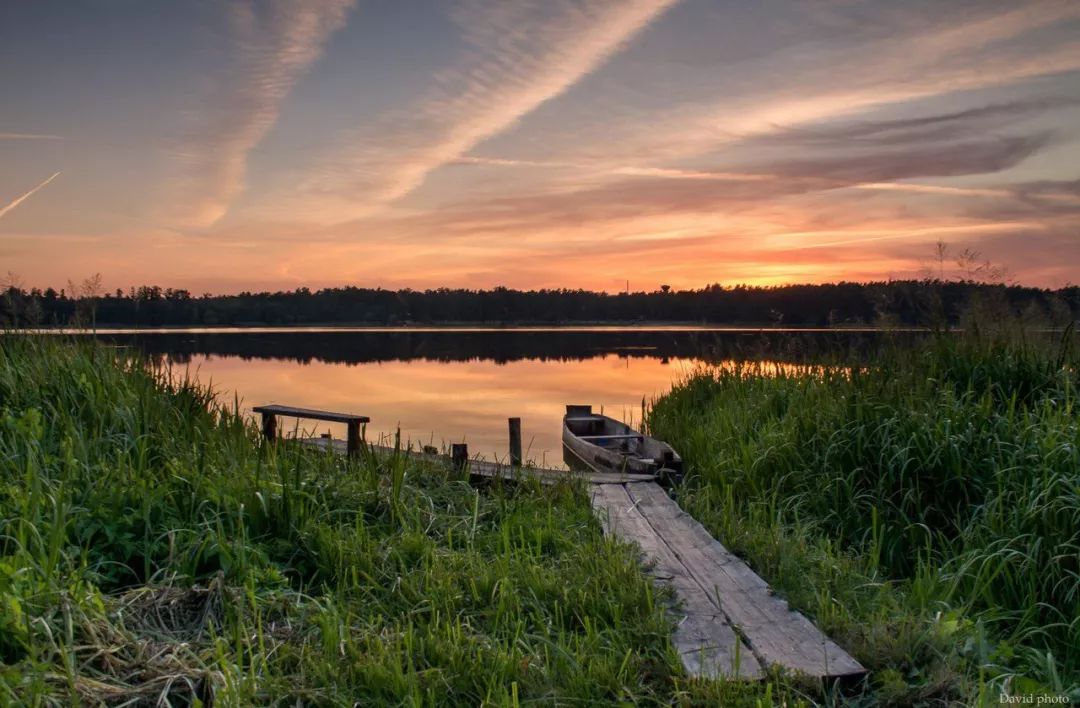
604,444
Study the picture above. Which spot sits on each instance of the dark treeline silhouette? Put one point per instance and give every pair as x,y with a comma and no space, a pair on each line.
501,346
904,302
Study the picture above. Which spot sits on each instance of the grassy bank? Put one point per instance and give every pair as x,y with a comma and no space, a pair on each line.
151,548
925,509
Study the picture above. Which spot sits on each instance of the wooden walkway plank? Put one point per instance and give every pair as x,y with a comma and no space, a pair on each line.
495,470
778,635
707,644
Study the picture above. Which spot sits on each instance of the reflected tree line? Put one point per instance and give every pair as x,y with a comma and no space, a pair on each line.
933,301
504,346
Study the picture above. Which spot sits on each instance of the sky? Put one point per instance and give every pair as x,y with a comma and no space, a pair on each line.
222,146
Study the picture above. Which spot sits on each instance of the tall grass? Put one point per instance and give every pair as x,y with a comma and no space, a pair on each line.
154,551
925,507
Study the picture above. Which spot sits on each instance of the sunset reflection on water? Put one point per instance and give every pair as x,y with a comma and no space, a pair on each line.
436,403
445,385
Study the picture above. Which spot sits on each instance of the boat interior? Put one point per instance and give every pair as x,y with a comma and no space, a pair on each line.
613,435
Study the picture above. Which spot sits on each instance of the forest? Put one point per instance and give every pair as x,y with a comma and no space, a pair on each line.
926,302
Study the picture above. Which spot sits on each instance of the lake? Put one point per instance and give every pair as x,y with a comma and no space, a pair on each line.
442,385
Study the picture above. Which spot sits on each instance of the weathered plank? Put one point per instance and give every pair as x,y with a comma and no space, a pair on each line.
775,633
703,637
483,468
311,414
493,470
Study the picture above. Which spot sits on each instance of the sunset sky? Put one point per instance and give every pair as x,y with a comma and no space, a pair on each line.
226,146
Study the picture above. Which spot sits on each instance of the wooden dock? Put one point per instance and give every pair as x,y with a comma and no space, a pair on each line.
730,624
485,469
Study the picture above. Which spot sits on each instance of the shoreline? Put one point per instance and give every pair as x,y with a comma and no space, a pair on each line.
469,327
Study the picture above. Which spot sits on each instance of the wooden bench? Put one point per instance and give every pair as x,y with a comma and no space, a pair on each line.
352,422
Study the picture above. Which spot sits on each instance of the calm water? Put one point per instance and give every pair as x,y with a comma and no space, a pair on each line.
442,386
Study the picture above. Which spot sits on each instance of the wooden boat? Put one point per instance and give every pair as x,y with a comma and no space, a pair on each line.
607,445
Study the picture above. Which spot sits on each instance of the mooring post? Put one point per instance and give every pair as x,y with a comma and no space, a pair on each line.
459,455
352,443
515,442
269,426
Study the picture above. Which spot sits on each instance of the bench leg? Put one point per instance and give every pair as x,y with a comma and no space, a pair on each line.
352,444
459,455
269,426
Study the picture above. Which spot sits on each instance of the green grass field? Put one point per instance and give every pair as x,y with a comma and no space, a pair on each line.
924,507
151,547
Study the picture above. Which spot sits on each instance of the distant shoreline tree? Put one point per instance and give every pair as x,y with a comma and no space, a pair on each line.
930,302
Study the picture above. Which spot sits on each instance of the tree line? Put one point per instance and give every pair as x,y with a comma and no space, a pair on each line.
929,301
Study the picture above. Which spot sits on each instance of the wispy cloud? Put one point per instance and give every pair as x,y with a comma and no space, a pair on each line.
935,189
799,217
521,55
645,193
274,43
937,231
29,136
624,171
940,127
988,47
23,198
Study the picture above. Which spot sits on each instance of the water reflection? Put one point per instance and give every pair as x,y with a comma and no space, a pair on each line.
442,402
447,386
498,345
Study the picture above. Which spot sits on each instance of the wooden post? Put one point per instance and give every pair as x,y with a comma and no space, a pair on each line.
269,426
352,444
459,455
515,442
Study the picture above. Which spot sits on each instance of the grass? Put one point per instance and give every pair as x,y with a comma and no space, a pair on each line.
924,508
154,552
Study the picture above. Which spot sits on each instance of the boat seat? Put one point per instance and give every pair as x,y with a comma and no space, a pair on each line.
582,419
608,437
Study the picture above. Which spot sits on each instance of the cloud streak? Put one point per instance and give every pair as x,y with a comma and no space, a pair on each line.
944,127
651,193
273,44
835,82
23,198
521,55
29,136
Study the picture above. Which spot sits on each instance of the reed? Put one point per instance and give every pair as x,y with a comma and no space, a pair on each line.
154,551
923,504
